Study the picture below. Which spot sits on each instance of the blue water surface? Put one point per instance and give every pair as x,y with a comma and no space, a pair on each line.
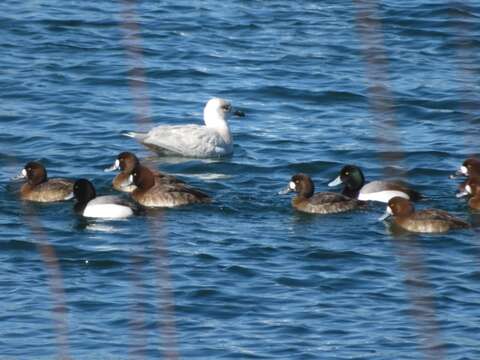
390,86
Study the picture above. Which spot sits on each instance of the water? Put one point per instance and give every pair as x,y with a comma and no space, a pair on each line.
245,277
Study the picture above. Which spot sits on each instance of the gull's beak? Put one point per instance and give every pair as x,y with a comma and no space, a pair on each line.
22,175
337,181
115,166
239,113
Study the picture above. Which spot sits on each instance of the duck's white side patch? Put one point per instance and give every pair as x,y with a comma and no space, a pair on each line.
107,211
209,176
382,196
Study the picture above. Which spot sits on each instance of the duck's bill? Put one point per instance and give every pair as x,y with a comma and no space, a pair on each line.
239,113
385,216
457,174
22,175
69,196
335,182
285,191
115,166
461,194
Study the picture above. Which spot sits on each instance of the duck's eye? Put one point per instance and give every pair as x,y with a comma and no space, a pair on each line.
347,173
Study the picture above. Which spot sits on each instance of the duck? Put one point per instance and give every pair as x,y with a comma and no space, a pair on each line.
126,163
211,140
423,221
90,206
317,203
153,194
40,188
472,189
352,178
470,167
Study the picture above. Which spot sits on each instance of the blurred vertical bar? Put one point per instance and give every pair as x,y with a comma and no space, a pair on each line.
467,60
419,291
55,282
137,80
379,95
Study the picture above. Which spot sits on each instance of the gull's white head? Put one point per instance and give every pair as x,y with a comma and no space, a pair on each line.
216,112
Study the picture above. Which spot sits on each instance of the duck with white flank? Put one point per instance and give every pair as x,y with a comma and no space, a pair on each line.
380,190
91,206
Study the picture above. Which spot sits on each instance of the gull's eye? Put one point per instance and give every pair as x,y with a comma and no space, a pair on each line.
226,107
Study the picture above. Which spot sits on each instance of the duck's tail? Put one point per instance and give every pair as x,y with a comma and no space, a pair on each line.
135,135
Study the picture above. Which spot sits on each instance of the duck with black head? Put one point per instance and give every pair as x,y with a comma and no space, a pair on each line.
40,188
126,163
353,180
90,206
151,193
317,203
423,221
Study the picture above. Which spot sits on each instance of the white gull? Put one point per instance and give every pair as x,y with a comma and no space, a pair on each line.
213,139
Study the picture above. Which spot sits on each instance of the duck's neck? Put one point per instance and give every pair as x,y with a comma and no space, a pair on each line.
351,193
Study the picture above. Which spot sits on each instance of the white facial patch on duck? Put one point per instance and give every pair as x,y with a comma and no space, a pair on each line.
24,172
464,170
468,189
382,196
292,186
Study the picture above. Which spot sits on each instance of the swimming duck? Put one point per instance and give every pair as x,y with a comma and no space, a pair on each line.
213,139
91,206
424,221
151,193
126,162
41,189
472,189
470,167
319,203
380,190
